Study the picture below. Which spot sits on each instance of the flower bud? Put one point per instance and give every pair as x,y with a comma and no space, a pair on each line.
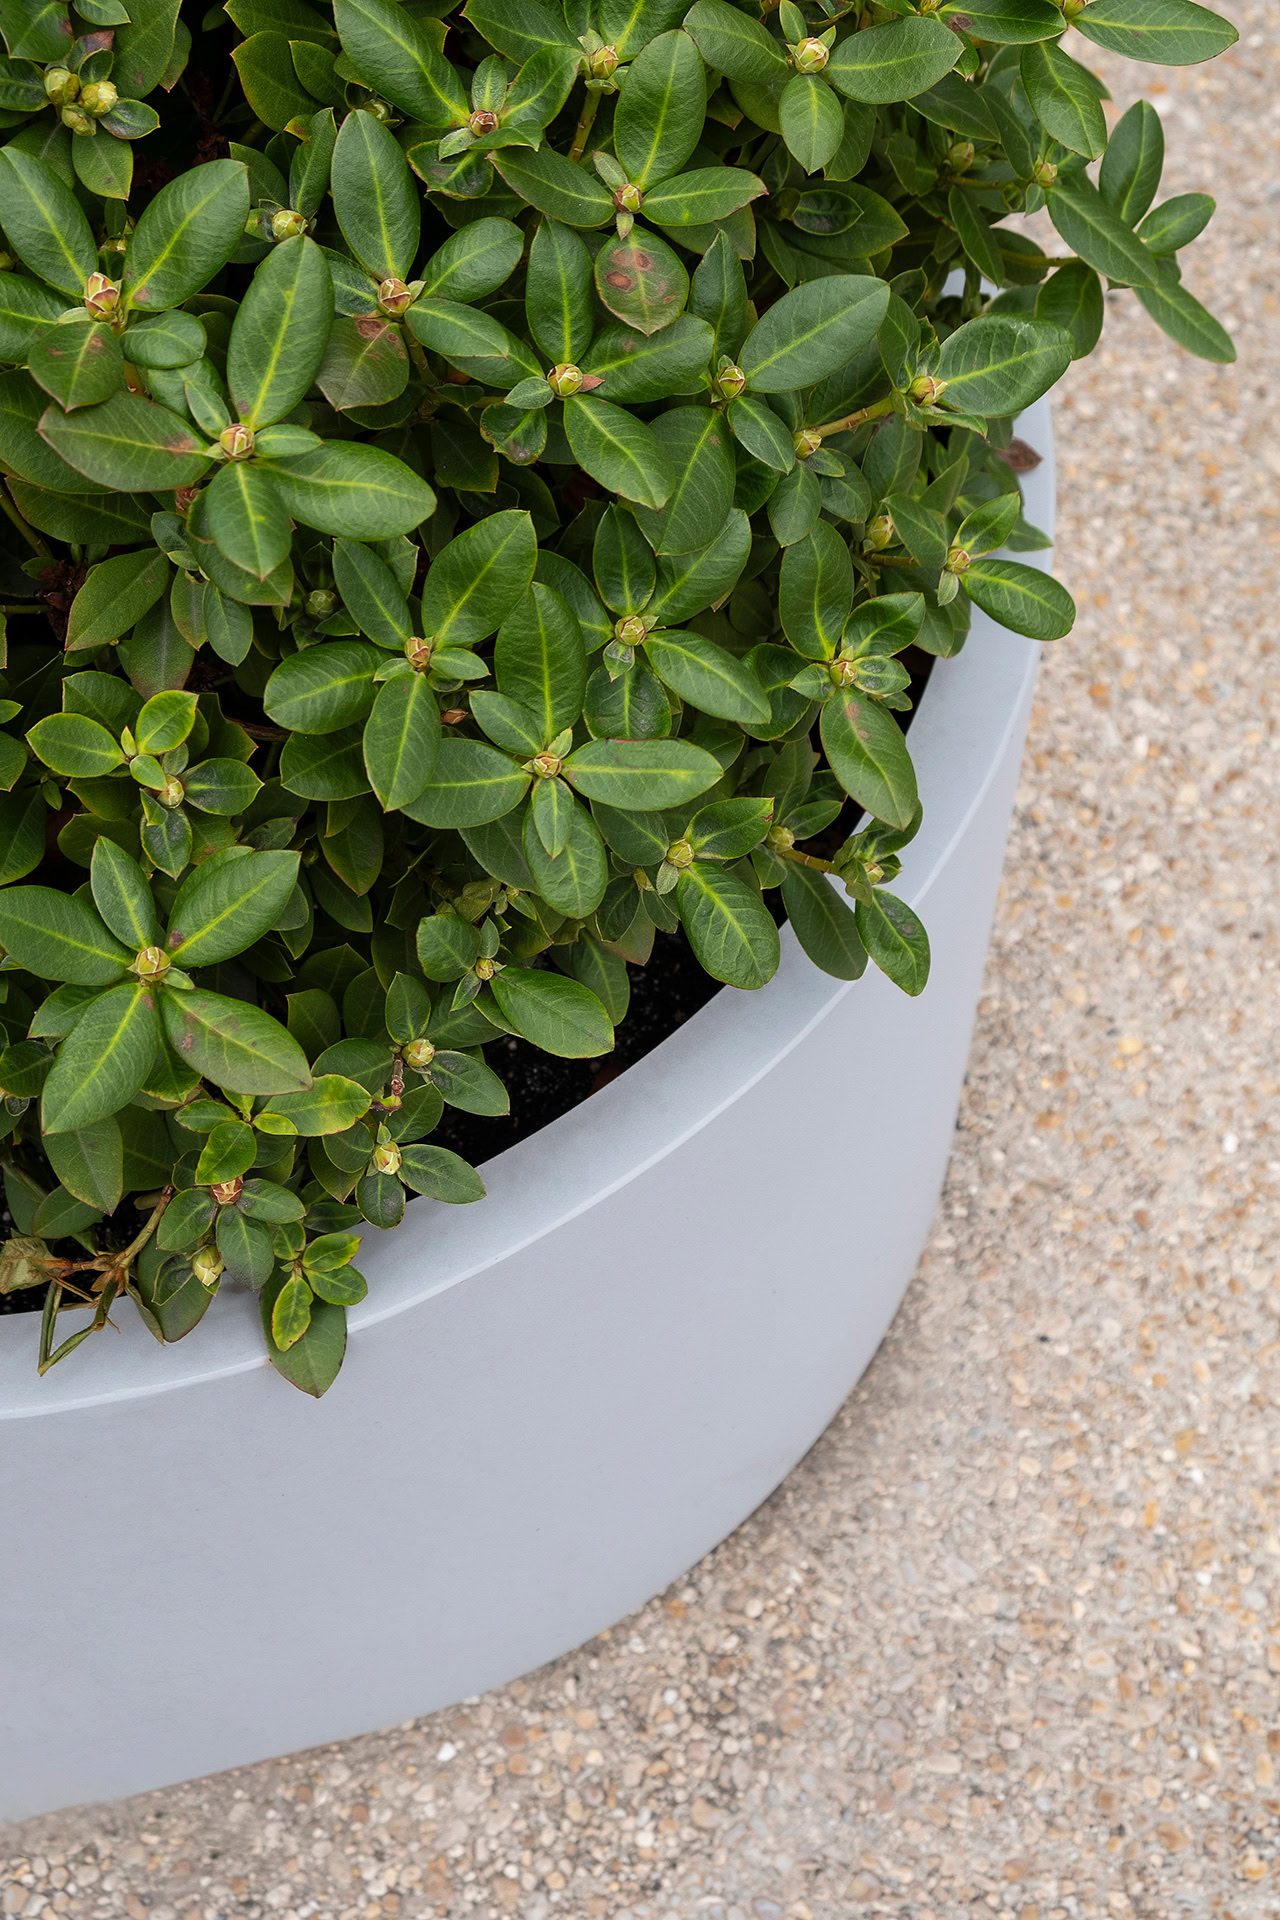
879,532
184,498
484,969
781,839
206,1264
679,855
1044,173
545,765
603,63
807,441
630,630
483,121
960,155
101,296
958,561
810,56
78,122
730,382
843,672
629,199
321,603
394,297
61,85
152,963
418,653
98,97
172,793
227,1192
236,441
287,225
418,1054
386,1158
380,109
925,388
565,379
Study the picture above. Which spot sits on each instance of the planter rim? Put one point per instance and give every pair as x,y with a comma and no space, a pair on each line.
660,1101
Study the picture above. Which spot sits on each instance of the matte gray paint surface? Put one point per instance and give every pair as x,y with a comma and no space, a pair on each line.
553,1403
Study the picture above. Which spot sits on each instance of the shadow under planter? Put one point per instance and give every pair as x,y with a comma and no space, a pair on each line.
553,1403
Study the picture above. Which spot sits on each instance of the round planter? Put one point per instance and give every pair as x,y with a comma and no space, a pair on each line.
553,1403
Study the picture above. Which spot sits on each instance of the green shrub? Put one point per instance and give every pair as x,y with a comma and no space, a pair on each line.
469,500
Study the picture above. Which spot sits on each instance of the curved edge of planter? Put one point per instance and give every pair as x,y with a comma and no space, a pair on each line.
959,738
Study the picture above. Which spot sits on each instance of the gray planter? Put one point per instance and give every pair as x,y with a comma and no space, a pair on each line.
553,1402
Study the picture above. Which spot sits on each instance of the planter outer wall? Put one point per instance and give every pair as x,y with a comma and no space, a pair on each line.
553,1403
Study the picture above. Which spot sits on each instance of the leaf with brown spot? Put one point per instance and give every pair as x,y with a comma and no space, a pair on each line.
642,280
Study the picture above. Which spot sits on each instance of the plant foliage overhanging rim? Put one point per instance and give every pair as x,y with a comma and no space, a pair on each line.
481,501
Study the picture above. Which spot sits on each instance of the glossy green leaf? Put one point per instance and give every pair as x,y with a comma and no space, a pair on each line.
891,62
440,1174
351,489
734,44
1172,33
115,594
313,1361
57,937
814,329
1065,97
560,1016
812,121
1098,235
708,676
475,581
474,261
75,746
77,364
632,366
552,184
44,224
323,688
1133,162
822,923
471,784
540,661
375,197
247,518
280,330
394,54
1180,315
401,739
185,235
371,594
1021,597
573,879
331,1104
869,757
658,119
126,443
103,1061
618,450
728,925
816,592
227,904
697,447
894,938
1071,298
999,363
122,896
641,774
1011,22
232,1043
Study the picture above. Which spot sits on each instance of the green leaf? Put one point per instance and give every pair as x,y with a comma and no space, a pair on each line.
90,1162
815,328
869,757
103,1061
633,366
269,80
1181,316
375,197
475,261
75,746
1071,299
43,223
232,1043
560,1016
657,122
618,450
440,1174
1133,162
822,923
166,340
475,581
1176,223
313,1361
704,197
57,937
185,235
77,364
998,364
126,443
812,121
280,330
815,592
1098,235
640,775
1065,98
471,783
559,293
331,1104
392,51
27,312
468,1084
892,62
144,47
539,660
228,1153
728,925
690,582
895,940
115,595
1008,21
1020,597
226,905
371,594
756,427
708,676
472,340
323,688
573,879
348,488
291,1313
122,896
247,518
642,280
922,531
735,45
975,236
1172,33
551,183
697,448
401,739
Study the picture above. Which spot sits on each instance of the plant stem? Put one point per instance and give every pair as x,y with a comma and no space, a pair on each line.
875,412
804,859
590,107
27,531
21,606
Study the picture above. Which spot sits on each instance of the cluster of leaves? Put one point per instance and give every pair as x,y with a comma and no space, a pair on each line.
470,520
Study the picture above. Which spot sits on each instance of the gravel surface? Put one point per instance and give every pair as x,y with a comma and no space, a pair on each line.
1007,1641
